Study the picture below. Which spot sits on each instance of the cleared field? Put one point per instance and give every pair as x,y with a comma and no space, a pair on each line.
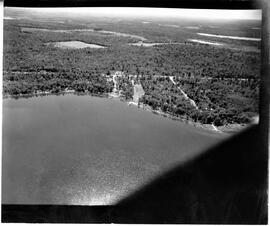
76,45
138,92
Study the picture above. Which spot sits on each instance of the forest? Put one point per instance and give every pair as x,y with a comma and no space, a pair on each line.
224,82
218,102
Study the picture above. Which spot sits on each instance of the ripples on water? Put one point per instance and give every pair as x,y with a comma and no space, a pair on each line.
83,150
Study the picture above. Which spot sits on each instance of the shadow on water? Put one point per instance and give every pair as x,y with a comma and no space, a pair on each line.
225,184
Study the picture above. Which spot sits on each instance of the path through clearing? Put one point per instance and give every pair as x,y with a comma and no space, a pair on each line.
215,128
192,102
138,92
115,92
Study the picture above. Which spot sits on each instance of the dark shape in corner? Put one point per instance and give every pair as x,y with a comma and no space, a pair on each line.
225,185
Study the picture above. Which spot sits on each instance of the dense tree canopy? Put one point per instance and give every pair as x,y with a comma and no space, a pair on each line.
223,82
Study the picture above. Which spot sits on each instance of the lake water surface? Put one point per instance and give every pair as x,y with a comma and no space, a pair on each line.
88,150
230,37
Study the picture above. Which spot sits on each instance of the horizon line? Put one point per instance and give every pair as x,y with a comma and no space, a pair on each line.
146,12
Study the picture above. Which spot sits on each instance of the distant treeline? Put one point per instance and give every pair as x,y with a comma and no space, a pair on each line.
29,52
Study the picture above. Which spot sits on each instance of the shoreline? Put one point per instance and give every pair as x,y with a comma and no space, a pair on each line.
225,129
5,96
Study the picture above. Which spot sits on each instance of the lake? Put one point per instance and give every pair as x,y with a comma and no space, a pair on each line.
83,150
205,42
145,44
230,37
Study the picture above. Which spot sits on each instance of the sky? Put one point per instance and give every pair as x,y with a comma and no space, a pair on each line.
154,13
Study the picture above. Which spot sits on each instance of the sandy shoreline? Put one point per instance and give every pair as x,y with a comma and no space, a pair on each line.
230,128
